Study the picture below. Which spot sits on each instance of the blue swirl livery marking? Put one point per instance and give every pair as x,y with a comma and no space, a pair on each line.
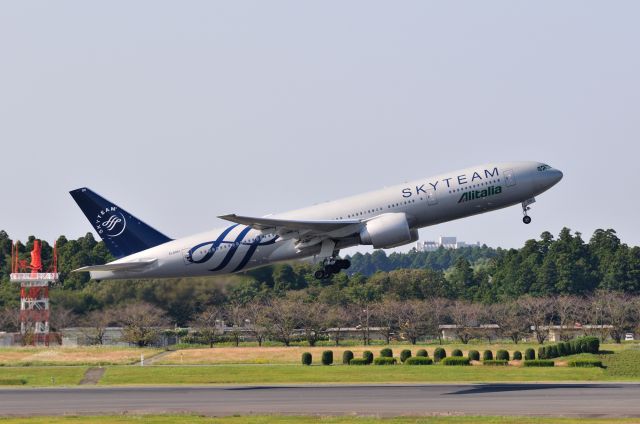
233,249
214,245
253,246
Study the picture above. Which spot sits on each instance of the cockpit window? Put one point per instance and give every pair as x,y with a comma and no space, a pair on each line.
543,167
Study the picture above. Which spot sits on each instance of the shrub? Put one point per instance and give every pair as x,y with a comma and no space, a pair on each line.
368,356
517,355
306,358
538,363
487,355
552,351
529,354
495,362
327,357
423,353
384,360
456,360
502,355
439,354
590,344
386,353
404,355
418,360
584,363
474,355
456,352
542,353
563,349
347,356
575,346
359,361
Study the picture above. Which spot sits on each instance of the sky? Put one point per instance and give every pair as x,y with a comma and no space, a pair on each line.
183,111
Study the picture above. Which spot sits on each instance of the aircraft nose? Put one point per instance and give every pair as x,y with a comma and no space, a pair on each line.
556,175
549,178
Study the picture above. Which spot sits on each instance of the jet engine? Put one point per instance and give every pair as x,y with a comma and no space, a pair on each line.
388,230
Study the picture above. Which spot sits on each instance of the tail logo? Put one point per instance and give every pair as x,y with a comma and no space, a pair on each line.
110,222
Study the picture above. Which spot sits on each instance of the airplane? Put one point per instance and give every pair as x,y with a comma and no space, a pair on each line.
383,219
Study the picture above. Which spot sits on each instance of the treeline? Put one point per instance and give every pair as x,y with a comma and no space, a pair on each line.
548,266
439,260
299,316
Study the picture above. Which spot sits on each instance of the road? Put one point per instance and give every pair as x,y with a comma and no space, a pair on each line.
611,400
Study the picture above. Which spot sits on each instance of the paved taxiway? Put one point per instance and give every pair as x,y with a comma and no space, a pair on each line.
612,400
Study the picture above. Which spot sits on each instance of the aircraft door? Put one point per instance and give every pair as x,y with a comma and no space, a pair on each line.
509,178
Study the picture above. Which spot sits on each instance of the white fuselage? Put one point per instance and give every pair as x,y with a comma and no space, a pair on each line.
425,202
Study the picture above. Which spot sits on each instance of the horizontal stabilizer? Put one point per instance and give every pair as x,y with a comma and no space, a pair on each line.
324,226
113,267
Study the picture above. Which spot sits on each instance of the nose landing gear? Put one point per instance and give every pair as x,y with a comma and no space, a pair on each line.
525,208
331,266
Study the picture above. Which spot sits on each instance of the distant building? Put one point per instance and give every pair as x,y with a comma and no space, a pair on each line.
445,242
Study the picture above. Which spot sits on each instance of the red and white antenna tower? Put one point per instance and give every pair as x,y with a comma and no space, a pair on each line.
34,292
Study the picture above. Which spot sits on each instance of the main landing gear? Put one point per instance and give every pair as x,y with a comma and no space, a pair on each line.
525,208
331,266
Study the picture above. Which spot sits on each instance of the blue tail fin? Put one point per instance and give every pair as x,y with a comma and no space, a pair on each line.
123,233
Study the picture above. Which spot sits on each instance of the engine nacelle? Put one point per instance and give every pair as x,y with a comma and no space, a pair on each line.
388,230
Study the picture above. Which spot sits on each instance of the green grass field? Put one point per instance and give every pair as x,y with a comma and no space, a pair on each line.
284,374
42,376
620,365
277,419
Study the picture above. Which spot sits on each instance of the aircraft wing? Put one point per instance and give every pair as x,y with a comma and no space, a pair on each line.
123,266
289,225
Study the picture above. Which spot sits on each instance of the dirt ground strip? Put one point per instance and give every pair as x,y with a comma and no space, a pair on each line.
73,355
92,376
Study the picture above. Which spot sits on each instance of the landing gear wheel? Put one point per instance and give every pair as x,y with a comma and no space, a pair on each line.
526,219
319,274
332,269
343,263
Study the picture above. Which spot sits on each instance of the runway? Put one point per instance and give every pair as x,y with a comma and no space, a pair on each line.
585,400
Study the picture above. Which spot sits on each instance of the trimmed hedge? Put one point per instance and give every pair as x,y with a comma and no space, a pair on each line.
347,356
587,344
404,355
538,363
517,355
418,360
307,359
474,355
423,353
494,362
487,355
542,353
327,357
502,355
384,360
368,356
359,361
386,353
590,345
439,354
456,352
563,349
529,354
585,363
456,360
